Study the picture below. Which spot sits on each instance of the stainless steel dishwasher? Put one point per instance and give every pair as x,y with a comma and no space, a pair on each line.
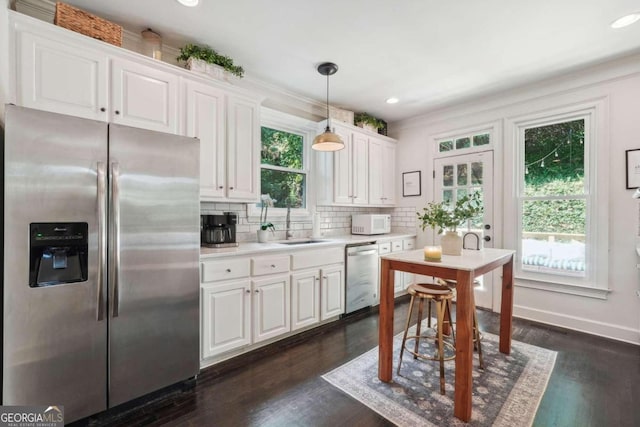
362,275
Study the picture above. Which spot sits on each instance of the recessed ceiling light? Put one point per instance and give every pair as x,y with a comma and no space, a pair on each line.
189,3
392,100
625,20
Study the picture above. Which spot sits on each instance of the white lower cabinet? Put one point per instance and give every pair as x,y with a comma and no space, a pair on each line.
305,299
332,291
271,307
226,316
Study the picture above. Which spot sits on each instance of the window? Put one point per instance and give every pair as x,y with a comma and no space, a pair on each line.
554,198
284,169
461,142
558,220
282,175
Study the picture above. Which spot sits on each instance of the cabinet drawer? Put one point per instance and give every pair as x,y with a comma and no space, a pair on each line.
308,259
224,269
396,245
384,248
269,265
408,244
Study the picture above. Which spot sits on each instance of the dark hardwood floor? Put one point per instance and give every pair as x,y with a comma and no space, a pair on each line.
595,382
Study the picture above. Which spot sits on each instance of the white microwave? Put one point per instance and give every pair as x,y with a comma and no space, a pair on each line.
370,224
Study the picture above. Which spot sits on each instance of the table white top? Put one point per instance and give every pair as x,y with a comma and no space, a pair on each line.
469,260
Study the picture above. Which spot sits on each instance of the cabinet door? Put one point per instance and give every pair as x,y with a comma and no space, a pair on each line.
226,317
243,148
64,79
342,182
388,173
360,164
143,96
206,121
305,299
377,172
271,307
332,292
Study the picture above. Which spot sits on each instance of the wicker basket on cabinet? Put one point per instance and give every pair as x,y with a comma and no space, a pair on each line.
82,22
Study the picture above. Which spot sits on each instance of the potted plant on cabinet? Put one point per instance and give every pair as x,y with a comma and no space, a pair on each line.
204,59
443,216
367,121
263,231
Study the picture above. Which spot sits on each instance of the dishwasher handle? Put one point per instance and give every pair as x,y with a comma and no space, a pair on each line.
368,252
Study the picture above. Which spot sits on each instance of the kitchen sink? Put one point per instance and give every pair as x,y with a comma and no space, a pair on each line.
302,242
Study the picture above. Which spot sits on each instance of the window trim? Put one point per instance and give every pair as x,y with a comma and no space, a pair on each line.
289,123
595,282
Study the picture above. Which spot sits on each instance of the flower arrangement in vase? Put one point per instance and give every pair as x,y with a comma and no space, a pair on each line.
443,216
263,231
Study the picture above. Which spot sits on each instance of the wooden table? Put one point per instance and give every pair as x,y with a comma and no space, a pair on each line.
463,269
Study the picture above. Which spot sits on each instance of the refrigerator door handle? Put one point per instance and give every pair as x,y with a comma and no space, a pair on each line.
115,222
102,237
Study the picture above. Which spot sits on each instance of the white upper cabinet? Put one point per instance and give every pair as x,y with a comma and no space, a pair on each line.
206,121
54,76
243,149
382,156
350,173
363,173
143,96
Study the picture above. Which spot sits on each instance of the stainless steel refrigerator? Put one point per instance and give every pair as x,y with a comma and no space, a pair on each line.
101,249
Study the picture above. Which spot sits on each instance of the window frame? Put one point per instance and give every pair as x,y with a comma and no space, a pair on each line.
463,133
596,181
293,124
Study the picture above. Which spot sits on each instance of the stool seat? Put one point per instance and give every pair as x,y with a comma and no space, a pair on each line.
429,289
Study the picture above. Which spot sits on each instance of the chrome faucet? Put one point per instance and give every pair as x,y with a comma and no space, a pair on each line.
288,223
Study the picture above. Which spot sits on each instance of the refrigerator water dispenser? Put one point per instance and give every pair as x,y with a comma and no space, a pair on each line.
57,253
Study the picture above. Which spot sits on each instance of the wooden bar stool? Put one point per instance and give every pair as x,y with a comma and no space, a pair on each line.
477,337
441,296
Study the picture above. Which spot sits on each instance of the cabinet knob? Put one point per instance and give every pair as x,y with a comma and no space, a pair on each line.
325,277
228,270
221,187
103,109
317,279
257,291
230,188
487,238
248,291
273,266
117,112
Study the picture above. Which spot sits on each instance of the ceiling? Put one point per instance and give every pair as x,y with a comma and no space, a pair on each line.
427,53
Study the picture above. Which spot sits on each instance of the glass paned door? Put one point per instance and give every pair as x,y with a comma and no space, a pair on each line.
457,176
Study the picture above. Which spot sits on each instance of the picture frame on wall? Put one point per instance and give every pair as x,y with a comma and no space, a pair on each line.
633,168
411,184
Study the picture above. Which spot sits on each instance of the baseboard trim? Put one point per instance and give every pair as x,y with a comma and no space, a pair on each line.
601,329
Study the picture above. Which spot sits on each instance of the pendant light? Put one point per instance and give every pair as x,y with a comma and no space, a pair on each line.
327,141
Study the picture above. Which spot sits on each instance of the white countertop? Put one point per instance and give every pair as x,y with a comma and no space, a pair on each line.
251,248
469,260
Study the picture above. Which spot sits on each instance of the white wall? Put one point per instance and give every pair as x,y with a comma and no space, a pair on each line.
618,83
4,57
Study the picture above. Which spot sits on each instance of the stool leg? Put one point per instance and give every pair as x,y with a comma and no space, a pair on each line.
406,330
440,313
453,330
429,314
420,307
476,329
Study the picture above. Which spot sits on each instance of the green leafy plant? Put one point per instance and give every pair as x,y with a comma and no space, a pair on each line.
442,216
210,56
367,119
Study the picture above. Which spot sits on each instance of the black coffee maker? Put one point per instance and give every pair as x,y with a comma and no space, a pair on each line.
218,231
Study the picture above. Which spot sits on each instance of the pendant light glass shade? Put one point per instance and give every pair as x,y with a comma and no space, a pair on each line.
327,141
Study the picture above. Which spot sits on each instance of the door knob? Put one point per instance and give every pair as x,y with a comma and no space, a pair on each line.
487,238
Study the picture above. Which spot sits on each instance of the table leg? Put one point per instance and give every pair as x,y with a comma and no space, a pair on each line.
385,323
464,345
506,307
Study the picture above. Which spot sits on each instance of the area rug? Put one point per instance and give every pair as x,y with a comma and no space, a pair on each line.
506,393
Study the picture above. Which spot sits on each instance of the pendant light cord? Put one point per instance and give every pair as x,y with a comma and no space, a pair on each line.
328,122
